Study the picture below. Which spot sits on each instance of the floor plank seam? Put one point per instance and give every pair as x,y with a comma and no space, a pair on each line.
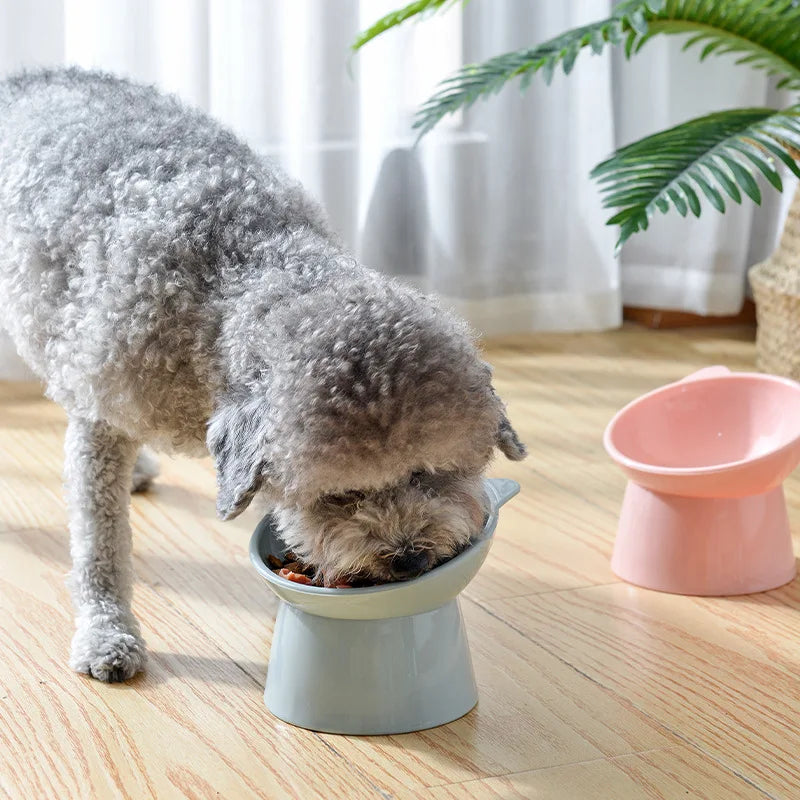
155,589
258,681
582,498
533,770
582,587
30,529
677,734
381,793
694,746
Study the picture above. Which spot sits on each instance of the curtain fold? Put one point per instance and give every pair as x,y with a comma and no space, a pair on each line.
494,209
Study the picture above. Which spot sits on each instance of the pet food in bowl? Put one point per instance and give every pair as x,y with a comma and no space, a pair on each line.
292,569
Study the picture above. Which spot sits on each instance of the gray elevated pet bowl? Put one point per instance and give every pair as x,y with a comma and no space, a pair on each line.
377,660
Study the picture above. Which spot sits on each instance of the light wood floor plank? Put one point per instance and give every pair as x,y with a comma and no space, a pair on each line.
192,726
589,688
722,672
534,712
655,775
31,464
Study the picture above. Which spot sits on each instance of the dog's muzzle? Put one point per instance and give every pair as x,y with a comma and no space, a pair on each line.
408,565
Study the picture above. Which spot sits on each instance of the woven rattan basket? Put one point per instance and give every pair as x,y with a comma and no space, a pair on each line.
776,290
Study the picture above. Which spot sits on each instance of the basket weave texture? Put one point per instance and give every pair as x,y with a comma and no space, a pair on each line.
776,290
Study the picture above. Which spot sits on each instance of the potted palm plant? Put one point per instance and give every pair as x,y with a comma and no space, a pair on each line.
711,158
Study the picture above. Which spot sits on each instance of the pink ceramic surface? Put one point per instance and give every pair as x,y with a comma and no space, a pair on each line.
704,511
714,434
701,545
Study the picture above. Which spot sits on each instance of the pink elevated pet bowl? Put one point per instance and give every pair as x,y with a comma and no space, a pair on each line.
704,511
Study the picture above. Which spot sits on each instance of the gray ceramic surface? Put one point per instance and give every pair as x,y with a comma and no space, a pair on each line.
376,660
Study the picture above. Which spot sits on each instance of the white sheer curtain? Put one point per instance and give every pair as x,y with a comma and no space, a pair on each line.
691,264
494,210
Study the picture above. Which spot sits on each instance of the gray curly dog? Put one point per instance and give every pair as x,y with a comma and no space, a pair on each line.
173,289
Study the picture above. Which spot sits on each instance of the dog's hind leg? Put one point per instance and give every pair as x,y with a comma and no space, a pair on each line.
145,469
99,470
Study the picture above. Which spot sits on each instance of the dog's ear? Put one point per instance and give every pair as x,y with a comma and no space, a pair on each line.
509,442
507,439
236,439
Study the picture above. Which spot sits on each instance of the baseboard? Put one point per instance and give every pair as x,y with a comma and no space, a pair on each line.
660,318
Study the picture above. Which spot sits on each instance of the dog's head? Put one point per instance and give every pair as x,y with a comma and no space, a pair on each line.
370,438
389,534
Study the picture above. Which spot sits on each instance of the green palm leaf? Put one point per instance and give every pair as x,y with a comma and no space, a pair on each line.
708,154
481,80
706,158
765,33
398,17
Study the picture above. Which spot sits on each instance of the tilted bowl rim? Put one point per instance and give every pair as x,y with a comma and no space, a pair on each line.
655,469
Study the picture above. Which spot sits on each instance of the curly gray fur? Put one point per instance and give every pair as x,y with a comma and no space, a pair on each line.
173,288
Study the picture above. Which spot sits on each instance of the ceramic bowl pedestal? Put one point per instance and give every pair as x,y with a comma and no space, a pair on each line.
377,660
704,511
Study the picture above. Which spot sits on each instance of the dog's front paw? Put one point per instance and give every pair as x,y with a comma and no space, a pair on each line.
110,650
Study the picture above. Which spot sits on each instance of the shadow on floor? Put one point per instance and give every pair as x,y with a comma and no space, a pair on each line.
164,666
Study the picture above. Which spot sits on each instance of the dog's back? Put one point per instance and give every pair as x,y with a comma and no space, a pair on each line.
121,213
156,271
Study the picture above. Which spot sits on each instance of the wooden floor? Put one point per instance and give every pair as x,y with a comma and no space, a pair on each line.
589,688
